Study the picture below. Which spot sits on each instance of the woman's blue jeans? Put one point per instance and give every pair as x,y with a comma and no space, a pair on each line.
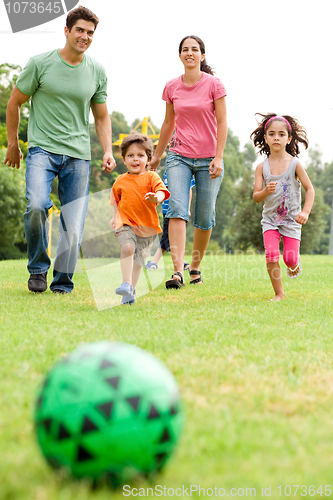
179,171
73,189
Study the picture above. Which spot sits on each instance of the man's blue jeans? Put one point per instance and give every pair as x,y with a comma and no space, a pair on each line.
73,189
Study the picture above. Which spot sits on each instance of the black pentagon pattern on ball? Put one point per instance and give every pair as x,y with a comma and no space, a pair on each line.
134,402
106,363
160,460
46,382
113,381
174,409
160,457
63,433
153,413
47,424
83,455
113,479
40,401
106,408
165,438
88,426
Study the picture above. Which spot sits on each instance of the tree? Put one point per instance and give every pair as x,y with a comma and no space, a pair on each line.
321,176
314,239
236,164
247,222
246,225
119,125
99,180
12,207
3,135
250,155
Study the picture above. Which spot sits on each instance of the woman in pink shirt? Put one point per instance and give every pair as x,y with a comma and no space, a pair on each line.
196,113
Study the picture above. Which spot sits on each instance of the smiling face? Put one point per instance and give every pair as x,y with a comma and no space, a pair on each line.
277,135
136,159
190,54
79,38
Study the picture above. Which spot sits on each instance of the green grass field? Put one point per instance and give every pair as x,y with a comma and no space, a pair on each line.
256,377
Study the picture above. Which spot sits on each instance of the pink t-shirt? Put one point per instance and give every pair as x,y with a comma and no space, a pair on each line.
196,129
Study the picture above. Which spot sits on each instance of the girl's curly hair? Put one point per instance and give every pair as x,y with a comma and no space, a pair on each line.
297,133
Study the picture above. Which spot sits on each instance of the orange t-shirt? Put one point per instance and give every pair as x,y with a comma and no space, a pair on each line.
128,194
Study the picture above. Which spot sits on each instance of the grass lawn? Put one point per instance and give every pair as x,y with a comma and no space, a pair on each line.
256,377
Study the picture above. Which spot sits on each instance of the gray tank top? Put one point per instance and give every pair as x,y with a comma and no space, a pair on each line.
282,207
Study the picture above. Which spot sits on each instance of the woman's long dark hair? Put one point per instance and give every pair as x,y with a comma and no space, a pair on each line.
297,134
203,66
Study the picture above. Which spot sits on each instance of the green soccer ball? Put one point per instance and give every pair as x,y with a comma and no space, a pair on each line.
108,410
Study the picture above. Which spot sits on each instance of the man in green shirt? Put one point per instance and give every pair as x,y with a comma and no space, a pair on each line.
64,85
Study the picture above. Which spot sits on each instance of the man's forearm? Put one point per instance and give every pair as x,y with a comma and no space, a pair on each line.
13,154
12,123
104,133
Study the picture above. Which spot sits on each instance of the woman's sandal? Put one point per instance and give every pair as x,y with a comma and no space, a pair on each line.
296,271
197,281
175,282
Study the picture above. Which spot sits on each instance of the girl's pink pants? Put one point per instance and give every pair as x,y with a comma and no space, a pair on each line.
290,248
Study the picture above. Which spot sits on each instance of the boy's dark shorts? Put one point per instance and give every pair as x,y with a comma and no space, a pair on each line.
164,241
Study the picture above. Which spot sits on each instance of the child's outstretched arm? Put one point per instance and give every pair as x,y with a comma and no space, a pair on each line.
155,197
259,194
303,216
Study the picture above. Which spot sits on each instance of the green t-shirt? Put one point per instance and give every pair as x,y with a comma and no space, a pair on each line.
60,104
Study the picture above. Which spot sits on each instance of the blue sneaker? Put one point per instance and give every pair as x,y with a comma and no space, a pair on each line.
129,299
151,265
125,289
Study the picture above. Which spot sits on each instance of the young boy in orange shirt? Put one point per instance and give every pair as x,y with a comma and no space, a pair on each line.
134,198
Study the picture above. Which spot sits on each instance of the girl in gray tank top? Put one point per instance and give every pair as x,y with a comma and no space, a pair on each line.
282,175
283,205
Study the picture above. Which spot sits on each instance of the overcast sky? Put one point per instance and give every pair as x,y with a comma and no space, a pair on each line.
272,56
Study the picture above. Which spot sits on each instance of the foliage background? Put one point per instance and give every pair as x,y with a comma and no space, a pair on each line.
237,216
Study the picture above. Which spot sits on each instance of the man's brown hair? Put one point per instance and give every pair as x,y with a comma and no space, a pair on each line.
81,13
